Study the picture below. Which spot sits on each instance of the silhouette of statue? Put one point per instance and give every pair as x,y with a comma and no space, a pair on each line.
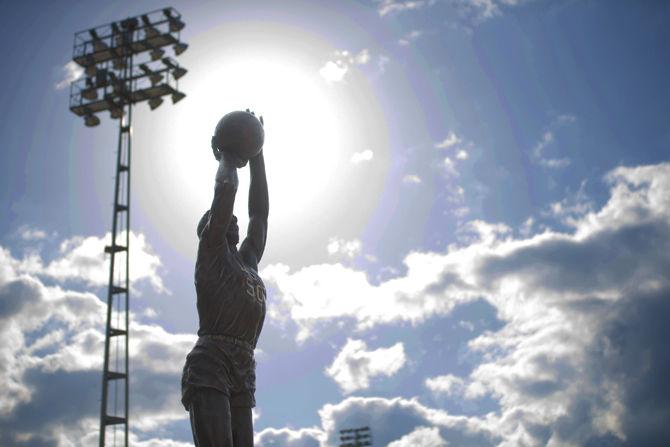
219,377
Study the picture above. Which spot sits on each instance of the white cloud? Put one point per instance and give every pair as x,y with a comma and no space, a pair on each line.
335,70
548,139
287,437
482,10
411,179
343,248
390,6
582,310
83,259
70,72
31,234
457,145
581,357
392,419
354,366
462,154
572,208
382,62
447,384
450,141
365,155
449,167
52,351
421,437
409,37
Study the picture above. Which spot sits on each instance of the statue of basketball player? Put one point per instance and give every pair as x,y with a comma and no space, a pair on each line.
219,378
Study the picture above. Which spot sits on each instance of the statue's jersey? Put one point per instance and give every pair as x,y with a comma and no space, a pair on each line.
231,295
231,310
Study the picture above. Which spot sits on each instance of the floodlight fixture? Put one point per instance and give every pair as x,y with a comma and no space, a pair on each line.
89,66
177,71
180,48
155,102
91,120
154,76
130,23
175,23
90,92
177,96
149,30
116,113
156,54
98,44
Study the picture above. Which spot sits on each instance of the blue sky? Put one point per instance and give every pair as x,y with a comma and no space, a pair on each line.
468,234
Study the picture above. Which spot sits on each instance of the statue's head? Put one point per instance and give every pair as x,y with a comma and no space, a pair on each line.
232,233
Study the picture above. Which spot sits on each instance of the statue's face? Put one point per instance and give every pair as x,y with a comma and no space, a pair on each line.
233,232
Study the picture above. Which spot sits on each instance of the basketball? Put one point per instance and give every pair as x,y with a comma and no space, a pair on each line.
241,133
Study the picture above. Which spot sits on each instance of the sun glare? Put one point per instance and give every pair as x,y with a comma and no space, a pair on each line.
309,132
301,126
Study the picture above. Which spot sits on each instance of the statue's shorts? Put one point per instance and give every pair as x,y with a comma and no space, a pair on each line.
224,363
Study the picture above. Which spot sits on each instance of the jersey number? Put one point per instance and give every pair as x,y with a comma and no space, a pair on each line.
255,291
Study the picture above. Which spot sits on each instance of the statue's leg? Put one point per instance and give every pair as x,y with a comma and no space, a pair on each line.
210,418
243,426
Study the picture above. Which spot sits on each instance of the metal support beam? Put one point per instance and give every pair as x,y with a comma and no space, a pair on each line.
115,374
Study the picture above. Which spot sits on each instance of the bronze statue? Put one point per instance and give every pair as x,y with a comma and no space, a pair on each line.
219,378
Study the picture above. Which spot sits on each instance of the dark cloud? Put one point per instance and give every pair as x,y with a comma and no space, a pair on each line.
391,419
610,259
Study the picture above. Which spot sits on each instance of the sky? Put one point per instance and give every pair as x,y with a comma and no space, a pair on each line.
469,229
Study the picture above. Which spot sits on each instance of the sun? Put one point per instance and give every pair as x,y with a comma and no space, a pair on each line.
301,129
303,133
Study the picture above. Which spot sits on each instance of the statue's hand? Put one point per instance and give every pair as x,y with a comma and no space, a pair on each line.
233,159
260,117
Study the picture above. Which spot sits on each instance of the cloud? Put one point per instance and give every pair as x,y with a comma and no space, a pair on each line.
409,37
449,167
31,234
422,436
459,146
450,141
70,72
359,157
482,10
354,366
335,70
391,420
343,248
581,357
411,179
548,138
286,437
447,384
83,259
395,6
571,208
51,358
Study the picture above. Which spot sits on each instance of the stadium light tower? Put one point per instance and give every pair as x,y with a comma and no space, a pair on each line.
124,64
355,437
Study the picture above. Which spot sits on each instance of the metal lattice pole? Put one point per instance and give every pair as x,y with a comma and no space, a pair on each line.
118,295
114,83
